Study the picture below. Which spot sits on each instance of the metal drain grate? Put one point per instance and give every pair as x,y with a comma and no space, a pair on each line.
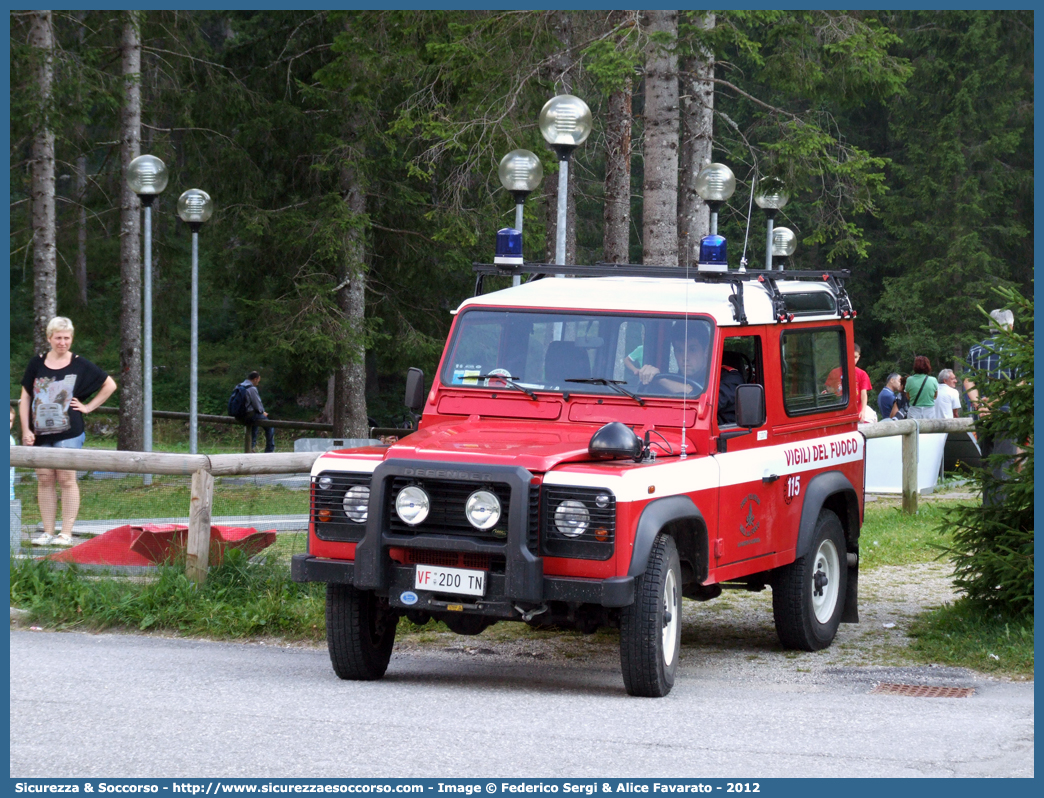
923,690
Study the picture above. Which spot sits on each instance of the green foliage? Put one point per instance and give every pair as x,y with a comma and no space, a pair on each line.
992,549
239,599
958,218
791,80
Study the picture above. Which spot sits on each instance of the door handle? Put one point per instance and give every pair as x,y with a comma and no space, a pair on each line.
770,478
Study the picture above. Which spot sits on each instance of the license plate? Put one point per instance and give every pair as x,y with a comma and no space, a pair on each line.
438,579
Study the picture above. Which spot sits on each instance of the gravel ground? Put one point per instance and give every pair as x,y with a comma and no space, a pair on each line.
733,634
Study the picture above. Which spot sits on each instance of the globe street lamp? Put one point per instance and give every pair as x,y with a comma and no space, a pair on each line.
194,208
715,184
771,198
147,177
520,173
565,124
784,242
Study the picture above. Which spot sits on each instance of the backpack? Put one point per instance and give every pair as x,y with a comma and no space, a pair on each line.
237,403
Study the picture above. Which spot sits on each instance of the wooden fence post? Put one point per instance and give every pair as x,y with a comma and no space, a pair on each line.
910,495
247,448
197,557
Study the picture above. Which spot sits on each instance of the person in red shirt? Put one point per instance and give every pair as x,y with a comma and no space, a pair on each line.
863,387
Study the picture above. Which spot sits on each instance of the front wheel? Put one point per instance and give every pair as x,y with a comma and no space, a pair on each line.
808,597
360,633
650,628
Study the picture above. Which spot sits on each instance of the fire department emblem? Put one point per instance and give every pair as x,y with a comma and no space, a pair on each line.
749,525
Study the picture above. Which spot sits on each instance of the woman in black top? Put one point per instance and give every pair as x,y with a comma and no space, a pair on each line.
56,388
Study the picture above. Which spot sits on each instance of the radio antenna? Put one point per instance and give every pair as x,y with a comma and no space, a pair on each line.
685,350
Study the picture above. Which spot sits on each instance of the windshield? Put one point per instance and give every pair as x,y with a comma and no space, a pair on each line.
580,352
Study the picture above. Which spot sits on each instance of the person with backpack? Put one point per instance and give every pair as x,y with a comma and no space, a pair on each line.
245,406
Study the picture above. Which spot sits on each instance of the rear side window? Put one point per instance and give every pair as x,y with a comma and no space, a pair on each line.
814,303
815,374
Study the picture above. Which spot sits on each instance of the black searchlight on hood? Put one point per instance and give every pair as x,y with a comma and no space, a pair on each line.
615,440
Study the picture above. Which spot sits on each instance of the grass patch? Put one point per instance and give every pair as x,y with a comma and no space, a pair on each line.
890,537
970,635
240,599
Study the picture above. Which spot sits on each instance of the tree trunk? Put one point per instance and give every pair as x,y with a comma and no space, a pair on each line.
349,406
131,434
697,125
80,173
563,67
45,275
81,227
660,214
616,244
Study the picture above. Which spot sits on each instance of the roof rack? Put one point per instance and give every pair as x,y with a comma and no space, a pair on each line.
763,277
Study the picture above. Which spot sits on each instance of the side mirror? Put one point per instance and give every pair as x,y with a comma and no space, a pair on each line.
750,405
415,390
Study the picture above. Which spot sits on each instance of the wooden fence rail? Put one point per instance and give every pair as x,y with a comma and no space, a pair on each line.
910,428
201,467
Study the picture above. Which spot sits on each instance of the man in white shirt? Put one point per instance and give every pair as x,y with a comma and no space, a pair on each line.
948,400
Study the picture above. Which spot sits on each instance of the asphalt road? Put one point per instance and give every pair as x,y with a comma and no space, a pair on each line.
120,705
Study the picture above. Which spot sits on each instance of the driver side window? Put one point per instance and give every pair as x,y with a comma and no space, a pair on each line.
741,364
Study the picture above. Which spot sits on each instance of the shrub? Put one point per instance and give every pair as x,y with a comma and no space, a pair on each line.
992,541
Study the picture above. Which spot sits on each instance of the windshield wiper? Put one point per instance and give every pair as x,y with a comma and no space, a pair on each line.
507,381
614,384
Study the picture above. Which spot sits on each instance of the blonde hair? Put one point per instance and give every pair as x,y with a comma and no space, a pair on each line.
59,323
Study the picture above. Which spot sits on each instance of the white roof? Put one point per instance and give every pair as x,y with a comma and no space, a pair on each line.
647,295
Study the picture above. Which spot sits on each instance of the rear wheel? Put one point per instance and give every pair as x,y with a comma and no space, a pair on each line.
650,628
809,594
360,633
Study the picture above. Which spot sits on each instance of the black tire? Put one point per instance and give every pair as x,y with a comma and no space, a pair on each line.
650,628
808,596
359,633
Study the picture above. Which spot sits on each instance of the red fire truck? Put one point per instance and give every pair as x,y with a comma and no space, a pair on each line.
599,442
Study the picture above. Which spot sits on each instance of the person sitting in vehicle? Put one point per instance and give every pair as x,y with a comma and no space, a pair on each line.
691,354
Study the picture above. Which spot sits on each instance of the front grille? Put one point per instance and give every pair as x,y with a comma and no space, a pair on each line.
597,540
336,525
455,559
446,515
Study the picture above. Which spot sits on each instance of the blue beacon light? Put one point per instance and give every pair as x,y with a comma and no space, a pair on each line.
509,247
713,254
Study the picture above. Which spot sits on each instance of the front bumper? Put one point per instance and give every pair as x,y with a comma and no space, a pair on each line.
613,592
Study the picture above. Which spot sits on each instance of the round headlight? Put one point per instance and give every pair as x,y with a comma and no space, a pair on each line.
357,503
572,518
482,509
412,505
325,483
602,500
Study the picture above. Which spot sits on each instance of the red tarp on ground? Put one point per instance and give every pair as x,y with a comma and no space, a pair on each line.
154,544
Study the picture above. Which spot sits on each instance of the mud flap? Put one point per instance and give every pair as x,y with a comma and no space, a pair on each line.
851,611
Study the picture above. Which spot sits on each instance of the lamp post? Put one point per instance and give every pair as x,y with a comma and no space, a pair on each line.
771,198
715,184
520,173
784,243
147,177
565,124
194,208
